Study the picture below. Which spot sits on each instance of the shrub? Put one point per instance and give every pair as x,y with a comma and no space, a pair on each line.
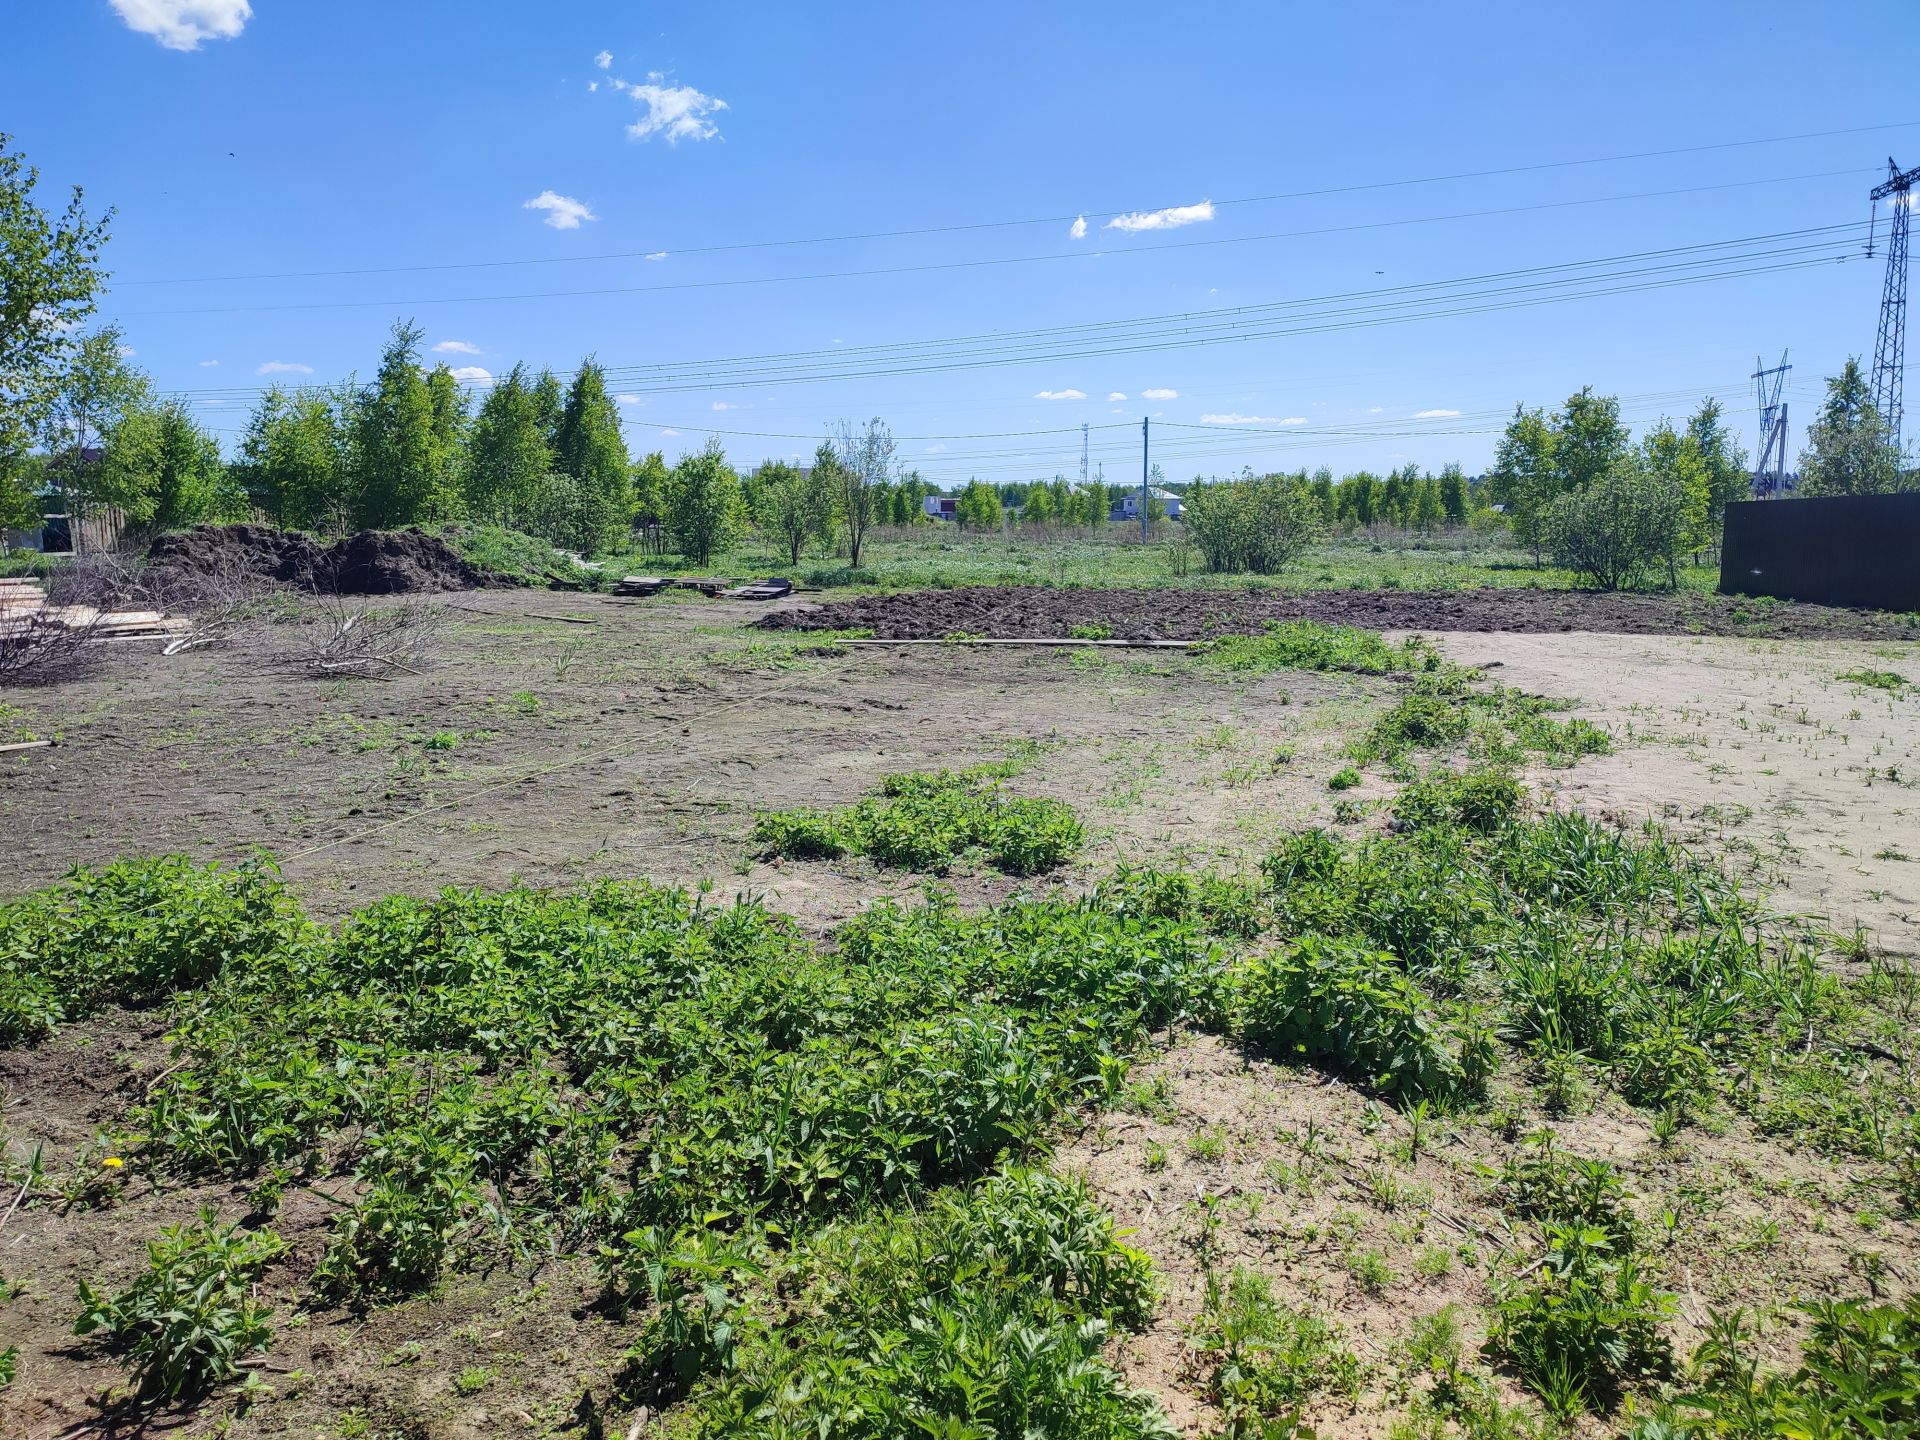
803,834
1482,800
1340,1003
1258,522
1623,527
188,1320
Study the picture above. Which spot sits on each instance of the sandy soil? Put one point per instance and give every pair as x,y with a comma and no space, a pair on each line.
561,737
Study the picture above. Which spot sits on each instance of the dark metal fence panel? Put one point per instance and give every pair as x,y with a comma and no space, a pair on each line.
1850,550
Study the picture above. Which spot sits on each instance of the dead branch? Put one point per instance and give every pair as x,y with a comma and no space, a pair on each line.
358,639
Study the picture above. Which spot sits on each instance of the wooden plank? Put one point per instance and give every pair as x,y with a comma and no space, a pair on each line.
827,637
25,745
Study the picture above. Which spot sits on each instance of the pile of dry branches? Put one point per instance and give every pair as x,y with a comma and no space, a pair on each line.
359,639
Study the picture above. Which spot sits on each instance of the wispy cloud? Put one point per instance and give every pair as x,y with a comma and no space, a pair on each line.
1116,395
1172,218
1060,395
1159,394
563,211
284,367
127,352
679,112
1234,418
629,399
1078,230
208,364
654,255
727,405
457,347
936,449
669,432
472,374
603,59
1436,414
183,24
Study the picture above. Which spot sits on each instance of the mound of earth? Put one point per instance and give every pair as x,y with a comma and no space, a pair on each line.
1044,612
369,562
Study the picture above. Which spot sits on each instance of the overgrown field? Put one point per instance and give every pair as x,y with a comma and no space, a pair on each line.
813,1174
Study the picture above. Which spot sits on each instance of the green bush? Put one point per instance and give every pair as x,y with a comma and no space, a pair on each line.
132,933
802,834
191,1316
1481,800
1584,1324
1622,529
1342,1004
1258,523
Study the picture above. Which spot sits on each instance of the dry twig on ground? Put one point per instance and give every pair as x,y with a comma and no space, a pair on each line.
363,640
37,651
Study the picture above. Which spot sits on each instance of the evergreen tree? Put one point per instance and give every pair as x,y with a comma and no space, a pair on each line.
589,447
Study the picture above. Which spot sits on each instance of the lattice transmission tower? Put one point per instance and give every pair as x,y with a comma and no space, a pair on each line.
1770,469
1890,346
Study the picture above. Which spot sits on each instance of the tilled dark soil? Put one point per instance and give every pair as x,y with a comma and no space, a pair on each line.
1044,612
368,562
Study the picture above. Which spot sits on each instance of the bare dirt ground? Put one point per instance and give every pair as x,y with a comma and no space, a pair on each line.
557,738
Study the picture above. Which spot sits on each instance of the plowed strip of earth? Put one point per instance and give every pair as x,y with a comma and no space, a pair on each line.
1034,611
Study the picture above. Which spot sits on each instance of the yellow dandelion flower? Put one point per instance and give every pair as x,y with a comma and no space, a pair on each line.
113,1162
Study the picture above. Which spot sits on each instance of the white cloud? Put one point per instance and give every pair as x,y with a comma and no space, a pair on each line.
1159,394
1377,410
208,364
472,374
629,399
1078,230
1060,395
1436,414
457,347
669,432
593,87
1116,395
1237,419
1172,218
678,112
284,367
183,24
654,255
563,211
603,59
936,449
723,405
127,352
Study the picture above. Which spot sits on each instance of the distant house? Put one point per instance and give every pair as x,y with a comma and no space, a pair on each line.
941,507
1130,504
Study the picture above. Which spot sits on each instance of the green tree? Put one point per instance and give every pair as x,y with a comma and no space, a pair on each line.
507,455
1587,439
162,468
792,505
1675,458
1524,480
1039,507
1454,495
1425,510
293,460
549,403
1728,478
866,465
650,489
589,446
1619,529
703,503
403,454
49,276
1849,451
979,506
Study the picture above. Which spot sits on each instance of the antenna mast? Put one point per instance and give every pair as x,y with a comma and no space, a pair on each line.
1770,470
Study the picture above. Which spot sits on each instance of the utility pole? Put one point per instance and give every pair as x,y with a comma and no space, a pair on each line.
1770,470
1890,345
1144,471
1083,454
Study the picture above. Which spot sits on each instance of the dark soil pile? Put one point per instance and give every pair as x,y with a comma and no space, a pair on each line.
1040,612
369,562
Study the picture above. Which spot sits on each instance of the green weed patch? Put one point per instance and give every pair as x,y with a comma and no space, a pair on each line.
1312,645
927,821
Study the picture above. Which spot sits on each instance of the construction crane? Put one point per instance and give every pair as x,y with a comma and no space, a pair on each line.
1770,471
1890,346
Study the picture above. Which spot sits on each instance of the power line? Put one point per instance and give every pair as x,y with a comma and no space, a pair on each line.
1062,219
934,267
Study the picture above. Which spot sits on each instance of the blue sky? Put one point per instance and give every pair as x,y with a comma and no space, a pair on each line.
284,138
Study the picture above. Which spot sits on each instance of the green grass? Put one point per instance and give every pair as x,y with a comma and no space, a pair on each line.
1875,679
1311,645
